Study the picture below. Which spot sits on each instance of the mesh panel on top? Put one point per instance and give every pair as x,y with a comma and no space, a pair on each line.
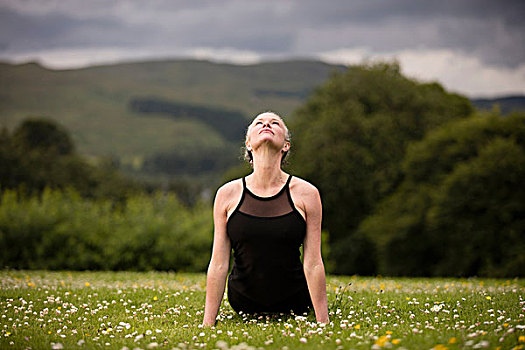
266,207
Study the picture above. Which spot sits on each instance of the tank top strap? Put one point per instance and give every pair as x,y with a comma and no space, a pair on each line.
288,182
288,192
243,195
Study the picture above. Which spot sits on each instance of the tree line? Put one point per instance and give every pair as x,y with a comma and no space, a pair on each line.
414,180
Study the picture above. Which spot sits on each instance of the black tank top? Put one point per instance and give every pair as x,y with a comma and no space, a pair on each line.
266,234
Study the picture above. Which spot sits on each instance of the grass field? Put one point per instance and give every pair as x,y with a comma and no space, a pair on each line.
63,310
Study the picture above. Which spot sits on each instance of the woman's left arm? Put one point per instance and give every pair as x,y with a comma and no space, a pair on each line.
312,259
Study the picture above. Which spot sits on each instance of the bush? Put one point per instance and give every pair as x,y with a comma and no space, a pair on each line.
62,230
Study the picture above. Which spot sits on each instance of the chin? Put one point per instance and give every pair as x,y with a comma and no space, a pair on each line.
266,137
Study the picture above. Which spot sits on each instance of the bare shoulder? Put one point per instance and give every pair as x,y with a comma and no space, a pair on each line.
230,188
228,194
303,188
306,198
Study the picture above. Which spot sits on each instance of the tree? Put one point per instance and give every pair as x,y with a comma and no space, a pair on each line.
44,135
460,209
40,154
349,140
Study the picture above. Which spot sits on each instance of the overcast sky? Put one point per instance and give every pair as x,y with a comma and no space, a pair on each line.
473,47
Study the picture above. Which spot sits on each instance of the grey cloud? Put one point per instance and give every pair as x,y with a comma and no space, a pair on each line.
22,32
492,30
337,11
213,27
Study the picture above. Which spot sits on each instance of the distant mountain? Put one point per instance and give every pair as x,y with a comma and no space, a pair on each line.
506,104
157,115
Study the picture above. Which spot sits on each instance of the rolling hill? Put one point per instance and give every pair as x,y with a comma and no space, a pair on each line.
140,112
180,117
506,104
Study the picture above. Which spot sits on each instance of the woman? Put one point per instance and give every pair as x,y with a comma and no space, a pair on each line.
265,217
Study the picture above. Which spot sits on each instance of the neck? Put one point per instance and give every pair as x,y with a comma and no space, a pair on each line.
267,168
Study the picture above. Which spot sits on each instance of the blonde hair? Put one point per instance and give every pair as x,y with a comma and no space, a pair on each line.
287,137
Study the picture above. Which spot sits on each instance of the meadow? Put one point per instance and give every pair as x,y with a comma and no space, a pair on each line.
134,310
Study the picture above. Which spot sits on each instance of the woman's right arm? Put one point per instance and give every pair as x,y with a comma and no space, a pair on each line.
220,258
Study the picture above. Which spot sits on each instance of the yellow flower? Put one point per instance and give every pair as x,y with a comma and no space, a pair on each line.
505,324
396,341
155,298
388,332
357,326
439,347
87,284
453,340
407,298
488,297
521,338
381,341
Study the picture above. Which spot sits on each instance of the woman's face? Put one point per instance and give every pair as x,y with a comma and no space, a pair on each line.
267,128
